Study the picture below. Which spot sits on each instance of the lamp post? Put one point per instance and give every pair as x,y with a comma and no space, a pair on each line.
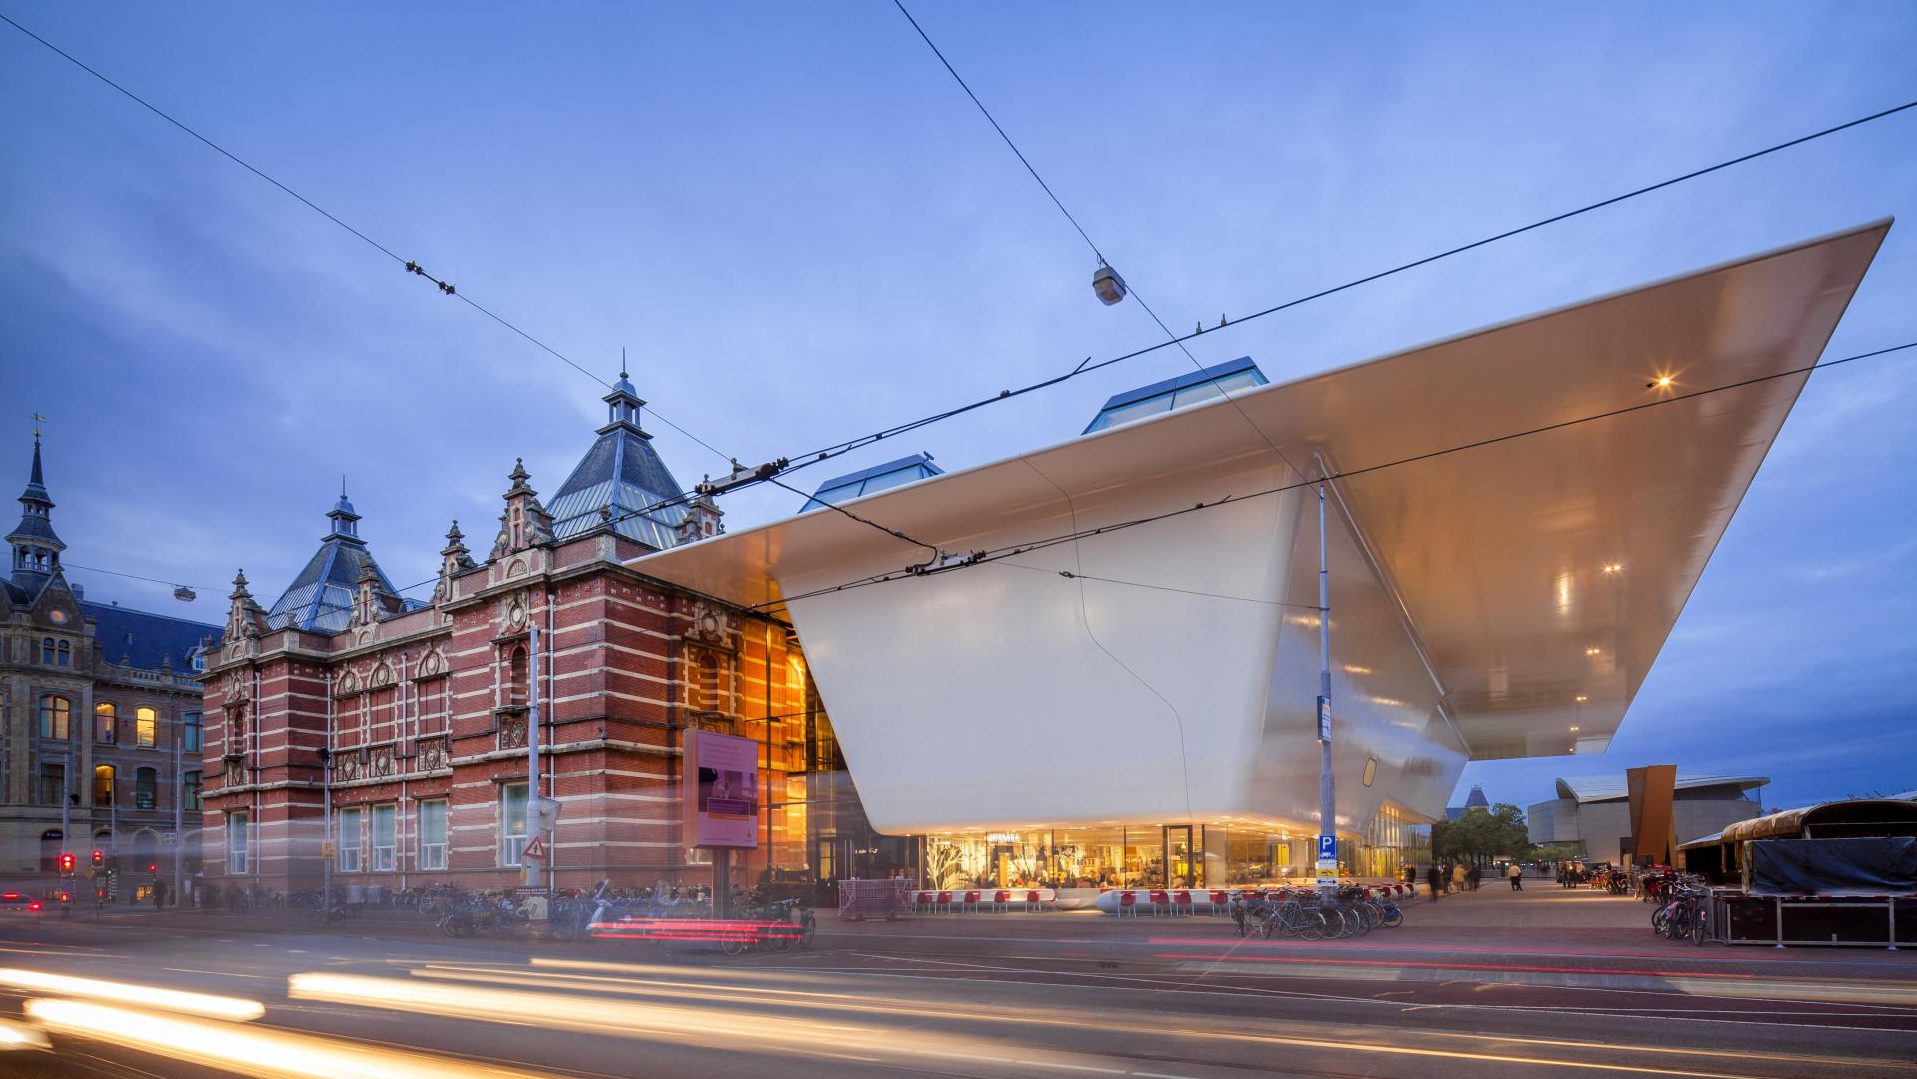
326,815
1327,782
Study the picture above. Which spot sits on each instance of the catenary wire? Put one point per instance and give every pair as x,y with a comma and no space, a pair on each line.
999,553
823,453
408,264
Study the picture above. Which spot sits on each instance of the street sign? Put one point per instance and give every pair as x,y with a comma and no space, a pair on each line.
1327,849
546,810
169,839
1324,719
327,849
534,849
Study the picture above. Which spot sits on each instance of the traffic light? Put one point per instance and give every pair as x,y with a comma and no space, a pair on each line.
99,857
152,867
66,862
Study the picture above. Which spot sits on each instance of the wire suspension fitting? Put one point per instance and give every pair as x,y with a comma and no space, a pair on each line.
444,286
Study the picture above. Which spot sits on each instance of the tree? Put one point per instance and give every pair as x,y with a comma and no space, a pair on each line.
1479,836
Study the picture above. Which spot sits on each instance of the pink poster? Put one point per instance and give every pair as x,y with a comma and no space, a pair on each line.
722,809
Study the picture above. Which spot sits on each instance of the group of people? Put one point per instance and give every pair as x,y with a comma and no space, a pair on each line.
1458,877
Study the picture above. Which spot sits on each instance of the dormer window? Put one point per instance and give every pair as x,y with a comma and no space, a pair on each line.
65,653
46,651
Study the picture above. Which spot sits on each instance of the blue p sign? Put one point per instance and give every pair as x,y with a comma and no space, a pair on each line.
1327,848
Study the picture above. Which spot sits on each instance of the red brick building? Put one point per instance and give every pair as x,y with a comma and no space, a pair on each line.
423,707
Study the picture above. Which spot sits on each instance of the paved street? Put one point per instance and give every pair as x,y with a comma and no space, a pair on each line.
1501,984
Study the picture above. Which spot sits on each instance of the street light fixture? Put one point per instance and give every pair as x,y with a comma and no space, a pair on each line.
1108,285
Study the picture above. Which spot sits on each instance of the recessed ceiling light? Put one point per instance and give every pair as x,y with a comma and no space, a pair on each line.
1592,651
1661,382
1574,728
1582,698
1614,567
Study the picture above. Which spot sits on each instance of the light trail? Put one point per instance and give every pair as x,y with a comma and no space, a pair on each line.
171,1000
21,1036
261,1052
1065,1019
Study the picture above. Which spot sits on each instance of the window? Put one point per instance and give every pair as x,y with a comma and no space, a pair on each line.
53,784
66,654
106,722
512,823
432,835
146,727
236,844
349,840
46,651
146,784
190,725
385,838
516,676
191,785
56,714
103,785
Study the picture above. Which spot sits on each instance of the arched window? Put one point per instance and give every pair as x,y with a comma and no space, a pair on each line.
516,675
146,727
56,717
46,651
146,785
103,785
66,654
106,722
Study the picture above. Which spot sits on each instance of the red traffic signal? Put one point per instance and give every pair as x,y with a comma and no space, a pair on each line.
152,867
66,863
99,857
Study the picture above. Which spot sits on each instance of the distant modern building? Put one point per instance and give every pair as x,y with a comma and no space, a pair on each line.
101,704
1594,815
1475,800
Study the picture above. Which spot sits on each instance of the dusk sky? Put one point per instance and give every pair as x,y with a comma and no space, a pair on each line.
801,230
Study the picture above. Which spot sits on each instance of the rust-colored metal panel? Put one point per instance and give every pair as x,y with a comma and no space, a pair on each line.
1653,826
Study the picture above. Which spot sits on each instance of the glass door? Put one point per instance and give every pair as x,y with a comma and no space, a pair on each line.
1180,870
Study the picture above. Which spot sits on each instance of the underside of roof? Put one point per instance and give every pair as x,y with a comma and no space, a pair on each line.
1609,789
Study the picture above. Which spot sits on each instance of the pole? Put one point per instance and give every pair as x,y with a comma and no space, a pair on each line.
528,869
179,801
326,803
1327,782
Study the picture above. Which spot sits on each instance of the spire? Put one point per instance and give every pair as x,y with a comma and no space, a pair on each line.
525,523
454,559
623,405
36,548
345,521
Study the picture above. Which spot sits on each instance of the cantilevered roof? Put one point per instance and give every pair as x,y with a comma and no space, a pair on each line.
1497,555
1609,789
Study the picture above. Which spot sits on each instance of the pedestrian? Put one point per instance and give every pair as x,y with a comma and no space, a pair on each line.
1457,877
1434,876
1471,878
1517,877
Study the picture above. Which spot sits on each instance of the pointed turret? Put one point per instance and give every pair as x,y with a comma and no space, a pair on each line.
36,548
622,473
244,618
322,598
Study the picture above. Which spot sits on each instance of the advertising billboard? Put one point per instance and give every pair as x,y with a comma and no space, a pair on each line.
722,799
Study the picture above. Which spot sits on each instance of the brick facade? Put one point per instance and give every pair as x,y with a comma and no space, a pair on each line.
426,706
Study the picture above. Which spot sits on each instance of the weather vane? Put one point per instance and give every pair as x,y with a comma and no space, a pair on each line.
37,421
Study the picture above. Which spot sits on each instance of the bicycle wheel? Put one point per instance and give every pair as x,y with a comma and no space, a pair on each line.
1311,925
808,928
1660,916
733,944
1393,918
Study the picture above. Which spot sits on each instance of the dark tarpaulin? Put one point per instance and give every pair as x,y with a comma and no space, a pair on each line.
1885,865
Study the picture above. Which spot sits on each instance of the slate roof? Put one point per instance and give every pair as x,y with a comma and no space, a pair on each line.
1476,800
147,640
321,597
623,472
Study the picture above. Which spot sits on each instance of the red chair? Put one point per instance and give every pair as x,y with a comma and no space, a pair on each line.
1001,900
971,900
1161,903
1182,898
1220,900
1032,901
1128,903
921,901
943,902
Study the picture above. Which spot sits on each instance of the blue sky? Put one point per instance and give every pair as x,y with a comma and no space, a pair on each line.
801,230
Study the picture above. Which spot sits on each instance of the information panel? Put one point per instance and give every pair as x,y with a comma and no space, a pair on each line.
722,806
